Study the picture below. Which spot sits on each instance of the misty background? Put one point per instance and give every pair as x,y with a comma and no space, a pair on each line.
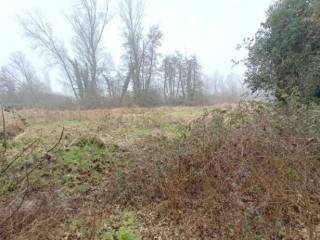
209,29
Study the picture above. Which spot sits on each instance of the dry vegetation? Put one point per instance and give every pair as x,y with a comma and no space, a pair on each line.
229,172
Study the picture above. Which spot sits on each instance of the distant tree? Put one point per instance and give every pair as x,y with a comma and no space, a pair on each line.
285,53
8,88
144,78
193,79
150,59
131,14
221,89
141,52
172,68
41,34
83,69
21,83
88,22
182,79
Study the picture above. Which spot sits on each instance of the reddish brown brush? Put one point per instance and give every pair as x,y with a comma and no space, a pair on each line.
249,173
37,216
234,176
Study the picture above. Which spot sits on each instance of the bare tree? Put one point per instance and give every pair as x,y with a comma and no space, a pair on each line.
7,87
131,14
89,21
23,76
150,58
41,34
141,52
20,83
82,69
112,80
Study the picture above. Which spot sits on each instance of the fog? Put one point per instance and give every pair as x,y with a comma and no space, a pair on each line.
157,51
209,28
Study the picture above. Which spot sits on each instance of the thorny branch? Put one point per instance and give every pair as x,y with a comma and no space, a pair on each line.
2,172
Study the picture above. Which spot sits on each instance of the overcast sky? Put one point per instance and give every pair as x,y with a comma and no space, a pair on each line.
211,29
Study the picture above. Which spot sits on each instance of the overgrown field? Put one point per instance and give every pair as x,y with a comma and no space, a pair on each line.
247,171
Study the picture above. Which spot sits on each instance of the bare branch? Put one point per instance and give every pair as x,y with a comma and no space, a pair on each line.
18,156
4,129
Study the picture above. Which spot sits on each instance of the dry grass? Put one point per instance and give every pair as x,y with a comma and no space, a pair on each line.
34,218
249,172
14,126
41,115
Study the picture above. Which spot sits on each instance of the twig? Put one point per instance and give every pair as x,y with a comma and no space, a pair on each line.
4,130
44,157
17,208
25,193
57,144
17,157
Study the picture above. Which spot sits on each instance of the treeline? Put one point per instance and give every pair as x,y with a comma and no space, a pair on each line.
22,86
145,77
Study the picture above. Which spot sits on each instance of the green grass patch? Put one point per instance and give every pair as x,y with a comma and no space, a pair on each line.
127,229
81,167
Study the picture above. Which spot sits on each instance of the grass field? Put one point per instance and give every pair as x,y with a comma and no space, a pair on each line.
223,172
